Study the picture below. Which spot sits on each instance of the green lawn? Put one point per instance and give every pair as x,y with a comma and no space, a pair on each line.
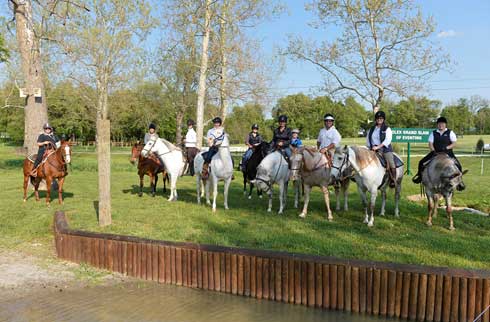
247,224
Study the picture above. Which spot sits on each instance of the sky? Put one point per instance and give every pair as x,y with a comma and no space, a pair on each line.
463,31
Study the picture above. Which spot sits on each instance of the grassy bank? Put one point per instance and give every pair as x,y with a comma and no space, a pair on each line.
247,224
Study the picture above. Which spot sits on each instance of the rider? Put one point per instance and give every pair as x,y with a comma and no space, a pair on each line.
151,132
215,137
282,138
379,139
440,140
328,138
44,141
253,140
295,140
191,145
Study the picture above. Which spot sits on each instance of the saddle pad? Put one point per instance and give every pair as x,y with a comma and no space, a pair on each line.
398,161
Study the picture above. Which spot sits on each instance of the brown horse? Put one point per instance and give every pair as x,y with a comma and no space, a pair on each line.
150,166
53,167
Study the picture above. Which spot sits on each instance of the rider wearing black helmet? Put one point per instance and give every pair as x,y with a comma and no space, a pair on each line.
253,140
191,145
440,140
151,132
45,141
282,136
379,139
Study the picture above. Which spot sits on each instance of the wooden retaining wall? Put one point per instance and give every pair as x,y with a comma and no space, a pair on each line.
411,292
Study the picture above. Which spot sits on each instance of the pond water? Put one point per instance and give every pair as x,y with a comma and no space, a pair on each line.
156,302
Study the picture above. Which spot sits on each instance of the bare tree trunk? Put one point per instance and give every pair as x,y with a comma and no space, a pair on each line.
35,112
201,94
179,121
223,50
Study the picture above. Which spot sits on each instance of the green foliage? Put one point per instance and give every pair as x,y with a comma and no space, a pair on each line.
459,117
412,112
238,124
4,54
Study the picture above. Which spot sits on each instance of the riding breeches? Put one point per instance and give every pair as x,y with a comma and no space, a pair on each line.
207,156
191,153
390,160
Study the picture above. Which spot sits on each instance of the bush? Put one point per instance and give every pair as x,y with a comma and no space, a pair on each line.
479,145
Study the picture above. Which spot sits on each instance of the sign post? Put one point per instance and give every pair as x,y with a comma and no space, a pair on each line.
410,135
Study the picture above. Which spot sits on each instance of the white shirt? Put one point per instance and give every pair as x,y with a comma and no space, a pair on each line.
191,139
452,135
219,136
327,137
375,138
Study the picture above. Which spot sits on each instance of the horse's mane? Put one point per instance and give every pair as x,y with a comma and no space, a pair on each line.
364,156
170,145
312,159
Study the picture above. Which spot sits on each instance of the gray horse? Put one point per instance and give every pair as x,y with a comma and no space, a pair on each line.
440,178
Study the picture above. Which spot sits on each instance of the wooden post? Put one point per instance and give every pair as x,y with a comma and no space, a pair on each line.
253,276
391,293
422,297
240,274
431,298
486,299
455,300
246,276
265,278
319,285
333,287
104,171
234,274
383,303
348,288
414,290
463,299
398,294
228,274
326,286
362,289
471,298
297,282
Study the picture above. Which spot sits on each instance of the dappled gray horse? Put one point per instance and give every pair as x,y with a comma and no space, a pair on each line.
440,178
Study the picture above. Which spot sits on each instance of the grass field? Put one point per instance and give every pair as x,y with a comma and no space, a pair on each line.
247,224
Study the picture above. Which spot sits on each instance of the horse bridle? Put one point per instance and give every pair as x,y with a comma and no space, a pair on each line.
270,182
345,161
154,140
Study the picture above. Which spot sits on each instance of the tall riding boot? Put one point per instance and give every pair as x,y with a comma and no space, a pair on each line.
392,177
205,171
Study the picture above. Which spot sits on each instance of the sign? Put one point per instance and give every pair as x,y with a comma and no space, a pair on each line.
410,135
23,92
37,92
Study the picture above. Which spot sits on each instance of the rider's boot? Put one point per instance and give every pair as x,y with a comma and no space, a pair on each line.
417,178
392,177
205,171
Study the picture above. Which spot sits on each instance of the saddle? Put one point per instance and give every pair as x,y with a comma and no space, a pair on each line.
398,162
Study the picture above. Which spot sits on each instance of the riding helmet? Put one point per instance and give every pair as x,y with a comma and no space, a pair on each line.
295,131
282,118
47,126
63,137
152,126
380,114
328,117
442,119
190,122
255,126
217,119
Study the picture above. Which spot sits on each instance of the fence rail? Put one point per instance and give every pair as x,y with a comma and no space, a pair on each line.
412,292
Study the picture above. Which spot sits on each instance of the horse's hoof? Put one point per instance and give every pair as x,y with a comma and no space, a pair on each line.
370,224
366,221
249,197
226,208
140,195
429,223
269,210
214,210
260,196
25,200
330,218
451,228
279,212
302,215
382,214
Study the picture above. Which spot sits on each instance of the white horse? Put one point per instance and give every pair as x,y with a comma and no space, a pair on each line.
221,168
273,169
171,157
370,176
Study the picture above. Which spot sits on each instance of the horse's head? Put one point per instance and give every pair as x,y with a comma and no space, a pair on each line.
262,180
65,148
296,159
340,162
150,146
135,152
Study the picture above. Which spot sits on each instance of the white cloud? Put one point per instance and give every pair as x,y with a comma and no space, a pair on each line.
448,34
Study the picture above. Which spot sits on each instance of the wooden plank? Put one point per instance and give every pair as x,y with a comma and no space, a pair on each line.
144,261
246,276
486,299
222,271
414,291
228,277
285,280
479,296
326,286
161,264
304,283
189,267
130,259
240,275
291,281
383,297
391,293
406,295
319,285
398,294
278,280
463,299
253,276
184,266
149,262
234,274
348,289
455,299
200,278
369,290
333,287
259,277
96,253
217,272
109,254
210,271
376,291
446,299
471,299
125,258
362,289
439,298
136,259
431,298
194,269
205,277
297,282
116,255
178,266
265,278
422,297
272,279
168,265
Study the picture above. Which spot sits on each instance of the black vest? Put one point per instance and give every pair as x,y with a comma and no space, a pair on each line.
382,137
441,141
254,140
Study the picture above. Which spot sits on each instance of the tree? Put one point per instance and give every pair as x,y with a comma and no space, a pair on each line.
383,48
239,122
103,46
459,116
4,54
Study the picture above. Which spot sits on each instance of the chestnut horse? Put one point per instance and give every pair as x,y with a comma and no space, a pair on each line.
53,167
150,166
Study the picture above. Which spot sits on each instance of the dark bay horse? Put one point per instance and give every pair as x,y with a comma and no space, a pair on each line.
250,170
53,167
150,166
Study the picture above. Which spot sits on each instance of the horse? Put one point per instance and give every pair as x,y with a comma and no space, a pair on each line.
370,176
440,178
250,170
53,167
171,157
221,168
313,169
273,169
150,166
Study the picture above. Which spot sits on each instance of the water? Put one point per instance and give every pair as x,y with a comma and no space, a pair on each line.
147,302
